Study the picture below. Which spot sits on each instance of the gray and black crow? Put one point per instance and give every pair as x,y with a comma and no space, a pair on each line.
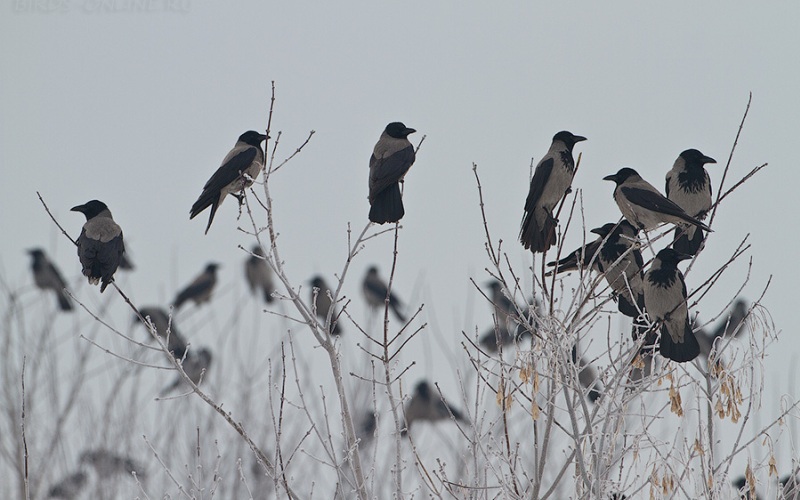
509,329
551,181
427,405
196,365
239,168
70,487
324,303
259,275
587,376
376,291
107,464
176,344
689,186
625,278
665,301
200,289
100,245
731,325
391,158
47,277
643,206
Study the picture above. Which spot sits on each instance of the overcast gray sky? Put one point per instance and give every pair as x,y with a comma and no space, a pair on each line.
137,104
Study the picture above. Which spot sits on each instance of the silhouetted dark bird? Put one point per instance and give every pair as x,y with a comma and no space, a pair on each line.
324,303
107,464
375,291
587,376
665,301
689,186
740,483
551,181
176,344
790,486
100,245
625,276
366,426
391,158
69,487
200,289
196,365
259,275
730,325
237,172
643,206
425,404
509,329
47,277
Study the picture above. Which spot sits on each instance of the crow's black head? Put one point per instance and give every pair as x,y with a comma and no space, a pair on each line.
568,138
621,176
694,158
671,257
212,267
398,130
253,138
91,209
423,390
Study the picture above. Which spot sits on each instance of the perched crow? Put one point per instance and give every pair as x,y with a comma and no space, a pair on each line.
427,405
624,277
100,245
790,486
259,275
107,464
689,186
743,487
551,181
69,487
509,328
375,291
47,277
161,321
392,157
195,365
587,376
665,301
730,325
324,303
200,289
643,206
239,168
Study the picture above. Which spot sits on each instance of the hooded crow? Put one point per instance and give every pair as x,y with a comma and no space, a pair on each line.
689,187
259,275
69,487
624,277
731,326
47,277
587,376
107,464
239,168
165,328
324,303
425,405
376,292
392,157
509,328
100,245
551,181
665,301
195,365
643,206
200,289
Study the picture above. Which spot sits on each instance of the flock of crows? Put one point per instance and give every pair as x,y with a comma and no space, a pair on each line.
660,292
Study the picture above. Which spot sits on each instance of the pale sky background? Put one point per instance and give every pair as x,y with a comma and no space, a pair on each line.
137,105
